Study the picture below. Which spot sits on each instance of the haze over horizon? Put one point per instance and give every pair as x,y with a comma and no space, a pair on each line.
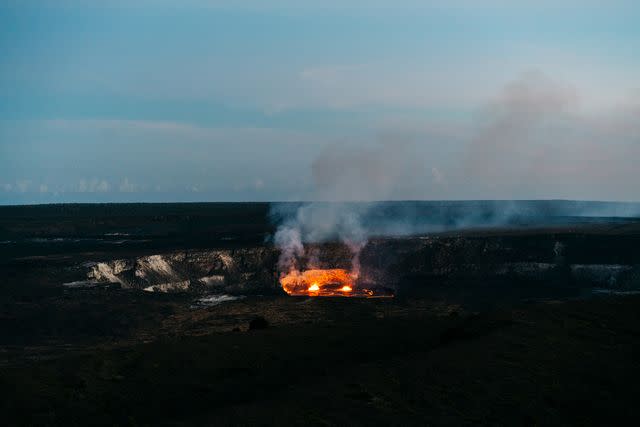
205,100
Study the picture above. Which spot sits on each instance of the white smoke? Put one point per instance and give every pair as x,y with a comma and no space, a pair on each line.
289,240
318,222
342,175
532,140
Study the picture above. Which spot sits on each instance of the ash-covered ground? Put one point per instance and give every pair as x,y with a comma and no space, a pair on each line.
173,314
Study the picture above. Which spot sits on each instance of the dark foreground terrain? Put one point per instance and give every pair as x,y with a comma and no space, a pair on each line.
125,315
341,362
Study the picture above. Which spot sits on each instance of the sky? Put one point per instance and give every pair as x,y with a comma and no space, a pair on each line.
204,100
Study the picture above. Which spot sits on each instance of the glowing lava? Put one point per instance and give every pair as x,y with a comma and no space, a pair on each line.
326,283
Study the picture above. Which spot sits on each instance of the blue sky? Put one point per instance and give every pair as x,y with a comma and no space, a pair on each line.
207,100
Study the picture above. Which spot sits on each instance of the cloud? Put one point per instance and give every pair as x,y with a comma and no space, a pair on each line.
131,155
117,129
370,85
438,176
454,79
23,186
94,186
126,186
534,139
306,6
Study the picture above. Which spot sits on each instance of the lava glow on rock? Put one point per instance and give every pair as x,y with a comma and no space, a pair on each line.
335,282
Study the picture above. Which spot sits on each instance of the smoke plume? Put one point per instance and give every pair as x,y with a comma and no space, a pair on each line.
532,139
344,178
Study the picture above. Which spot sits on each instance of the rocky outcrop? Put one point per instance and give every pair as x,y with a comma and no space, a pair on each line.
421,261
246,270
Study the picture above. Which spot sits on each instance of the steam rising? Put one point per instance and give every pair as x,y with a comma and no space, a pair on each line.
536,139
531,138
341,175
313,223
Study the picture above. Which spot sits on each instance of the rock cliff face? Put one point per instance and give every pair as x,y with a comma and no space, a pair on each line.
247,270
511,261
403,264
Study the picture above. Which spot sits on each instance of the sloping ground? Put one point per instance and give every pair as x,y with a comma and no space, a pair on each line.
551,364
